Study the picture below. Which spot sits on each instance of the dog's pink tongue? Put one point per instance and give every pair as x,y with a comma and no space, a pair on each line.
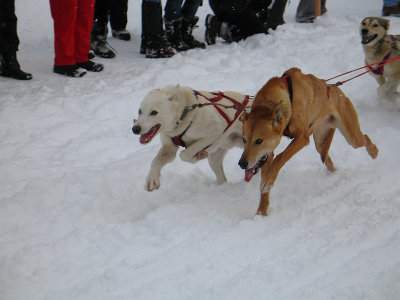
248,174
145,138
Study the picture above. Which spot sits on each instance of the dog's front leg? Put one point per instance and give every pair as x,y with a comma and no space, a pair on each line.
166,154
264,200
194,152
295,146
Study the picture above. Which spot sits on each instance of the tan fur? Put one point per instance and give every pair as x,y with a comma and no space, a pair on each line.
376,49
312,113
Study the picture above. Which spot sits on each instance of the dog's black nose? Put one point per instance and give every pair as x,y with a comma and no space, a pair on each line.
364,31
136,129
243,163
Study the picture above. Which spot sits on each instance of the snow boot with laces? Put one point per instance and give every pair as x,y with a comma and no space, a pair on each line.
187,34
101,48
173,31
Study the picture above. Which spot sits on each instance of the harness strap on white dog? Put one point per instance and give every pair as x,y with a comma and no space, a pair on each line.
218,97
177,140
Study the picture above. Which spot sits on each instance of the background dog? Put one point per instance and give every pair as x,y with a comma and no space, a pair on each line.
298,106
378,46
169,111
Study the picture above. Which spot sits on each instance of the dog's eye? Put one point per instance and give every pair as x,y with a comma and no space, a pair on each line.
140,112
153,113
244,141
363,24
258,141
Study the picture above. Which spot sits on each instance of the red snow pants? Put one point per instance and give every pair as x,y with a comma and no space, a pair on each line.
73,21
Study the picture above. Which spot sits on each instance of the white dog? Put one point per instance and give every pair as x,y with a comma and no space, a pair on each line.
206,131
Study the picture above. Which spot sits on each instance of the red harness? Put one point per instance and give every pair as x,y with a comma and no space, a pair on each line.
378,70
177,140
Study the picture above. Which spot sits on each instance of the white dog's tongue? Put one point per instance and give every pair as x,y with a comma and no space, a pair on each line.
248,174
147,137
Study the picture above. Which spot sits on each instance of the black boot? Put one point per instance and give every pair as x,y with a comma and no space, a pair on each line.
187,34
275,14
90,66
10,67
173,30
154,43
212,29
231,33
69,71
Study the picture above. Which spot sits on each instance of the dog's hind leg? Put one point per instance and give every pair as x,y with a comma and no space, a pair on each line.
347,123
323,138
215,160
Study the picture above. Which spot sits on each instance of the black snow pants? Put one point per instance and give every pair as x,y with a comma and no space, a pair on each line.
8,27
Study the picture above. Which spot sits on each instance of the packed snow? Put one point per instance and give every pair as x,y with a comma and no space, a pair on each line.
77,223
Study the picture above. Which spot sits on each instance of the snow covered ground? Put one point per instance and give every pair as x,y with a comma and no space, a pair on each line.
76,222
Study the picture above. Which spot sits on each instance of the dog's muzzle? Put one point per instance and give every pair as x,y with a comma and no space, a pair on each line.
367,38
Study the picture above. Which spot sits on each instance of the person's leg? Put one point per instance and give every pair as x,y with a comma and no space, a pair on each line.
9,43
100,20
173,10
118,19
189,22
83,28
8,30
98,36
275,14
153,44
64,14
305,11
118,14
391,8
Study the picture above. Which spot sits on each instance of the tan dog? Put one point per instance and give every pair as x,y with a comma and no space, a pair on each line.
379,46
297,106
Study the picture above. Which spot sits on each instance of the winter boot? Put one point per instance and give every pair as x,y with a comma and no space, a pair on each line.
231,33
275,14
154,43
69,71
212,29
100,46
187,34
10,67
90,66
173,30
122,34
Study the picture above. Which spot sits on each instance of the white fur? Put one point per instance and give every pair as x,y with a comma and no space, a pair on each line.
204,138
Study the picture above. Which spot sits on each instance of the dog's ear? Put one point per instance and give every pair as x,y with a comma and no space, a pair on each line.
278,112
174,93
244,117
385,23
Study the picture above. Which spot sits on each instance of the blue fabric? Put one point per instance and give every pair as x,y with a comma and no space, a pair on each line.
155,1
390,2
175,10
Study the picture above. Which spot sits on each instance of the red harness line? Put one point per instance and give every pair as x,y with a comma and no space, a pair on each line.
380,65
240,107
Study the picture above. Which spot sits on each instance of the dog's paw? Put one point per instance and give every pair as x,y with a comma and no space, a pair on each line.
152,183
186,156
202,154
